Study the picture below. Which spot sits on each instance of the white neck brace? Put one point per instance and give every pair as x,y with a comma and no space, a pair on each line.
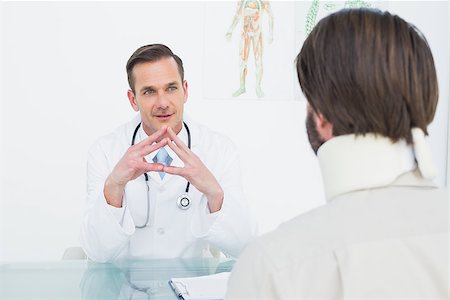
351,162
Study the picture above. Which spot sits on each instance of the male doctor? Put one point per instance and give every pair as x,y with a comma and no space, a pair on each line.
162,186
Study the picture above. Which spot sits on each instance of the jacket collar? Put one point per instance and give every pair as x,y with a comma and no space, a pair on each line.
350,163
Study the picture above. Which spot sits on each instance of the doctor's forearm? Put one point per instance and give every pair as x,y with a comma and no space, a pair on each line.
113,192
215,200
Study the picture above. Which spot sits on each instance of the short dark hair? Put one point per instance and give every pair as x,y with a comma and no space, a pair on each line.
151,53
368,71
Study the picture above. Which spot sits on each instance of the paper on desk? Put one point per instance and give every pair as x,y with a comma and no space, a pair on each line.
202,287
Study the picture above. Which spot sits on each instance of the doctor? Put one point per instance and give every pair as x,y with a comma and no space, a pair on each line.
162,186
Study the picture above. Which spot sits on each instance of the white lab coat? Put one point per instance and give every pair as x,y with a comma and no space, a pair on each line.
109,233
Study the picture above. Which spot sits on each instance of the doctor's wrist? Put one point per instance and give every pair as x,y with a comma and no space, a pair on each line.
113,192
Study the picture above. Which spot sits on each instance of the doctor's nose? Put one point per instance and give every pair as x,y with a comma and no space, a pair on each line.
162,102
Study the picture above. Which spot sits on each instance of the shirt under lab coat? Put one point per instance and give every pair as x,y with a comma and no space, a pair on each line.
109,233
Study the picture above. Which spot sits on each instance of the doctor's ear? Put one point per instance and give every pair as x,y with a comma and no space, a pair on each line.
132,100
185,89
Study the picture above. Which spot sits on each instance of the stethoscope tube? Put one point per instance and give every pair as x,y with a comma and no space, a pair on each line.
183,202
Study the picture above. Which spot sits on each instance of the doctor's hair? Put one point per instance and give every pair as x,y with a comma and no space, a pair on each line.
368,71
151,53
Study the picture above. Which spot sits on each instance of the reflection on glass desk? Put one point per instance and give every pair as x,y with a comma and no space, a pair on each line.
134,279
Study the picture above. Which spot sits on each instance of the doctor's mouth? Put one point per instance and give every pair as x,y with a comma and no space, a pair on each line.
163,117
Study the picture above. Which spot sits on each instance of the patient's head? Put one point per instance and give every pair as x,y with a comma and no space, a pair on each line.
367,71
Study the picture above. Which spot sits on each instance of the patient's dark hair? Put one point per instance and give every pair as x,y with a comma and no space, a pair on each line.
368,71
151,53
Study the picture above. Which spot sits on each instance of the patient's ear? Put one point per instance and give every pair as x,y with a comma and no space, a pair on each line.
324,127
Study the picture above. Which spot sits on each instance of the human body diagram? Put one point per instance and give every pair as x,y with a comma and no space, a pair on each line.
251,12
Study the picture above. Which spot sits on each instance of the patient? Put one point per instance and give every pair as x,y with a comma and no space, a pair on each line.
370,82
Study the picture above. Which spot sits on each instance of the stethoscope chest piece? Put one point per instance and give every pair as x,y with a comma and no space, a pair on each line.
184,202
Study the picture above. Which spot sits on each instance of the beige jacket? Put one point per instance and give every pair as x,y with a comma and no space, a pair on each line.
382,235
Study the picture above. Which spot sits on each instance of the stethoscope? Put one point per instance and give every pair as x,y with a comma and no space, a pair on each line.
183,202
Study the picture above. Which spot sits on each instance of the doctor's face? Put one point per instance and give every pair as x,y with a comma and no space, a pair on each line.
159,94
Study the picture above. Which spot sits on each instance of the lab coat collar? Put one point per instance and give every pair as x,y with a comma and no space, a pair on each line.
350,163
131,127
193,128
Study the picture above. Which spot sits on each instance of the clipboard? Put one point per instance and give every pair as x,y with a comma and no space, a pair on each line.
211,287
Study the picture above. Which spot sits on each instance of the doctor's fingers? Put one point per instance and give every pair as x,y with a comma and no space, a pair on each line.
153,138
182,154
176,171
150,167
147,149
177,140
193,168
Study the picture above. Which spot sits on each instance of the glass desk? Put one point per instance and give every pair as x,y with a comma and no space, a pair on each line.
80,279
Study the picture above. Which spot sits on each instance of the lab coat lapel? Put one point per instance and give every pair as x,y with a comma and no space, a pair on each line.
155,177
131,127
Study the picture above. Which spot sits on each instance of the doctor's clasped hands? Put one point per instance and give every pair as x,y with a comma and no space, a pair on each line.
133,164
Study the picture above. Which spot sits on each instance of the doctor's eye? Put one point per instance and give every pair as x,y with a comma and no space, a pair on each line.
148,92
172,88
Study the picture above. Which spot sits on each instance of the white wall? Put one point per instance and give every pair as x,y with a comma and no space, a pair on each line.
65,85
2,195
